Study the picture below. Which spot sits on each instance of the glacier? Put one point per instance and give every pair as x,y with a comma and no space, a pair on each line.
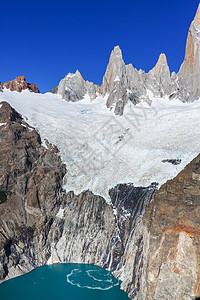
101,149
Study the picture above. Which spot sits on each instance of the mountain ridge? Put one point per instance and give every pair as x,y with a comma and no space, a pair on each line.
122,83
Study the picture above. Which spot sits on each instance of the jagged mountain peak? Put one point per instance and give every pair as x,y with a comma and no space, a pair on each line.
116,59
123,83
19,84
189,73
193,39
116,62
71,75
162,60
197,16
116,52
115,69
161,67
77,73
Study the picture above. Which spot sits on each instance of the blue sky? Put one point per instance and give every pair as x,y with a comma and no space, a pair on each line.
44,40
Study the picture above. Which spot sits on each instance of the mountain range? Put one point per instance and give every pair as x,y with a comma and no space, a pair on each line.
123,83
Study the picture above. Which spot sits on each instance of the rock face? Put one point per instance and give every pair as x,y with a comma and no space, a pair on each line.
19,84
189,74
123,83
73,88
158,80
102,234
114,82
31,178
172,237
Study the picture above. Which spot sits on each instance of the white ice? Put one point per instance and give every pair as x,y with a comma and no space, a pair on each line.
101,149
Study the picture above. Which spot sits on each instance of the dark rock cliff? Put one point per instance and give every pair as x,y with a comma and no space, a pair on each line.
30,180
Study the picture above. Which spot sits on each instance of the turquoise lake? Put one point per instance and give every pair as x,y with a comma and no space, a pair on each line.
63,282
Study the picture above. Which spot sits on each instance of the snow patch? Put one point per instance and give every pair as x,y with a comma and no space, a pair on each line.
117,78
26,126
60,213
44,144
70,75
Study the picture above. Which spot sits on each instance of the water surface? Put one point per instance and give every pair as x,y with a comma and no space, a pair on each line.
64,282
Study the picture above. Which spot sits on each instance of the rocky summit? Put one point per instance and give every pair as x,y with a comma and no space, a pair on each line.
19,84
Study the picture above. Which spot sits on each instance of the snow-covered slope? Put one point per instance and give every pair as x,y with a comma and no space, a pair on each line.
101,149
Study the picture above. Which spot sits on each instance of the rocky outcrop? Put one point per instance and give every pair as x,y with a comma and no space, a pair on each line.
1,87
172,234
158,80
96,232
73,88
19,84
114,82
